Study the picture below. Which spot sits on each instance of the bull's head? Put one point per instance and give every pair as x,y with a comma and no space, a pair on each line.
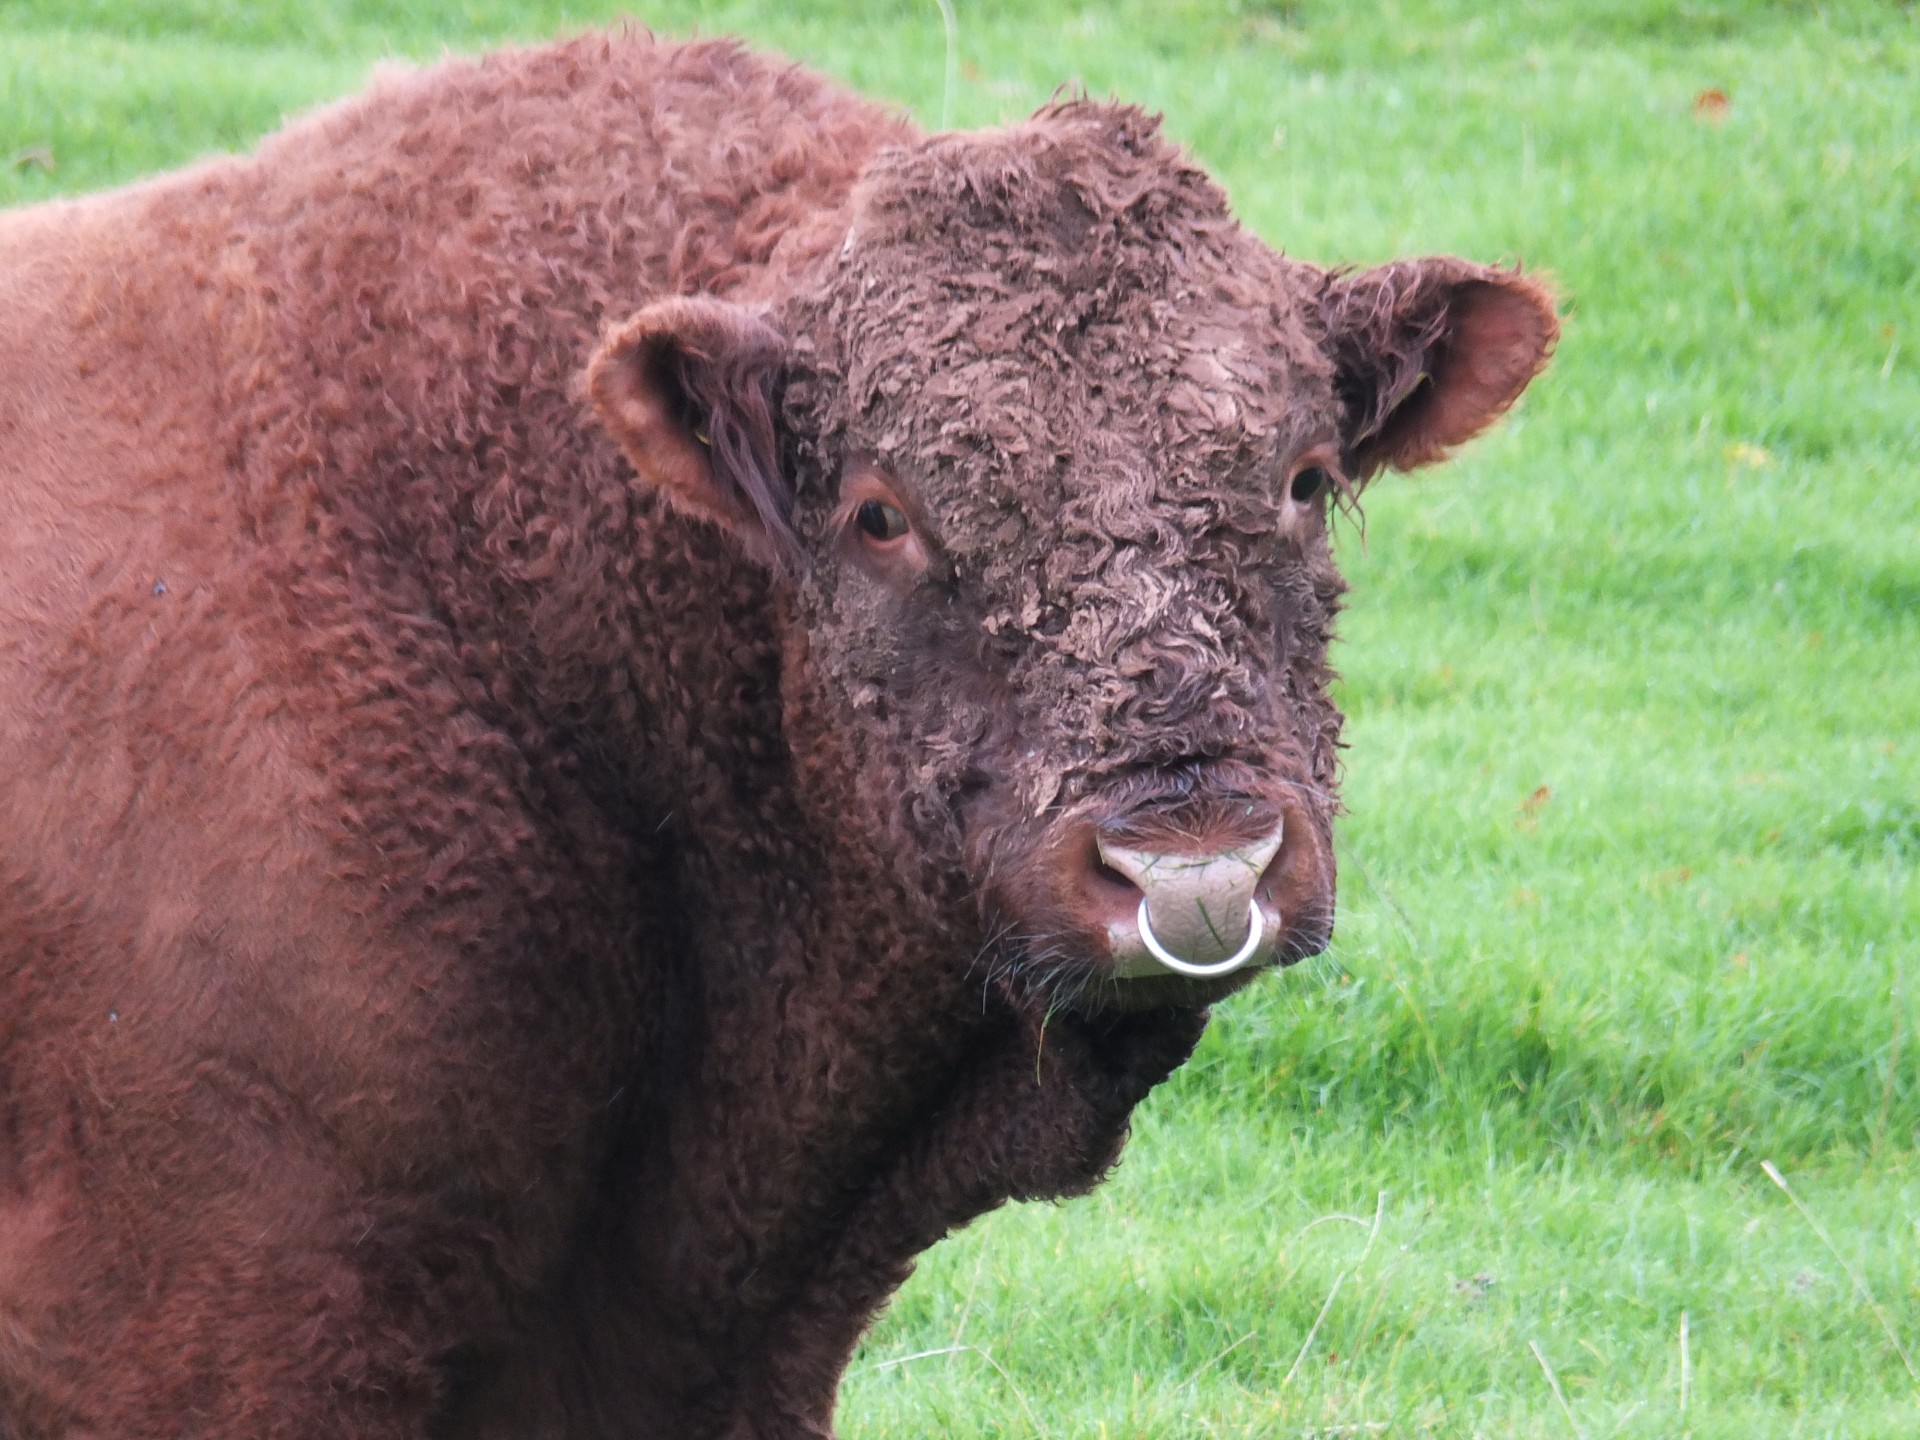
1045,445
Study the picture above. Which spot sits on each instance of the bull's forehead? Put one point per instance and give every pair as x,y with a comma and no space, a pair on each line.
1058,333
1027,415
1088,377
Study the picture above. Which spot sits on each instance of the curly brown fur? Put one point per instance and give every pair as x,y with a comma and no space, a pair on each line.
509,925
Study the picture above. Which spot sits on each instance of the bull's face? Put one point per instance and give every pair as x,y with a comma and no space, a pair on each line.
1046,446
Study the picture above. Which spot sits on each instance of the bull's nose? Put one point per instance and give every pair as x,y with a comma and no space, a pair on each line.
1198,915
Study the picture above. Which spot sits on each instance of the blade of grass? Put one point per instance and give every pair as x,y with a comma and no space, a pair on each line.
1859,1281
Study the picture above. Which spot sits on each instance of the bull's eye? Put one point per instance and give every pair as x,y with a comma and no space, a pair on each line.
880,521
1308,484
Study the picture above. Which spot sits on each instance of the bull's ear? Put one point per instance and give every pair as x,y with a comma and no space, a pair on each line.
686,386
1428,353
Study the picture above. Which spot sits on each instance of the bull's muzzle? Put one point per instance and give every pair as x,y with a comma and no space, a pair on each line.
1199,915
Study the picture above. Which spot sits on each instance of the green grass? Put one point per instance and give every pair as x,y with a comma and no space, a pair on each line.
1628,902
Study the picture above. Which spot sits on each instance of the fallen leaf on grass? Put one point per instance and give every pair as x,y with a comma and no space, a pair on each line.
1475,1287
1711,105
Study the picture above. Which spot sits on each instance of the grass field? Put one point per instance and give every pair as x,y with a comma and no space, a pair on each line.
1629,905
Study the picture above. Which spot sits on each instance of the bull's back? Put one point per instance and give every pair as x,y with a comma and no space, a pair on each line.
148,807
106,448
59,436
109,482
191,1001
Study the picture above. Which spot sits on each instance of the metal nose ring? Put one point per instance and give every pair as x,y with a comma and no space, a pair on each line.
1184,967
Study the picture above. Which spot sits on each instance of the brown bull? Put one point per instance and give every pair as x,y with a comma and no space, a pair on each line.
627,690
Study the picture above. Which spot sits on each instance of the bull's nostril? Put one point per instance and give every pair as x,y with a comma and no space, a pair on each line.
1105,873
1198,913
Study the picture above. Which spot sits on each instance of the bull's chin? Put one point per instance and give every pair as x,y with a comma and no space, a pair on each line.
1094,987
1131,994
1117,980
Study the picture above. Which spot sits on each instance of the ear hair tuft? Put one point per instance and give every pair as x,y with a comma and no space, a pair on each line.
688,387
1428,353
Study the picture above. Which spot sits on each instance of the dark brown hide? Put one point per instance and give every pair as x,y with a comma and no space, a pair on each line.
569,627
